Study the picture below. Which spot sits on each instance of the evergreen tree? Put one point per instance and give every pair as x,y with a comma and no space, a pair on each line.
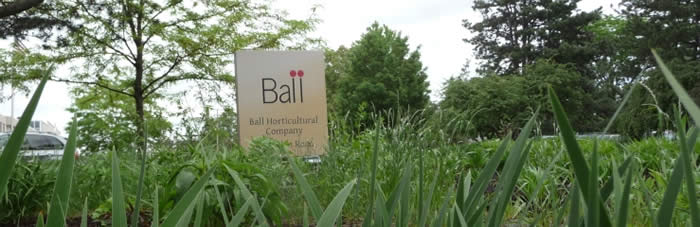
515,33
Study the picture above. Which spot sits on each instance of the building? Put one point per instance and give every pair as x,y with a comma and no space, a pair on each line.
7,124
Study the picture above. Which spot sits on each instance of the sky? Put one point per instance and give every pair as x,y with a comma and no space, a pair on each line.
433,25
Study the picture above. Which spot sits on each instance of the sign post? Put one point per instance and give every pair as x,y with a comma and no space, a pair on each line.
282,95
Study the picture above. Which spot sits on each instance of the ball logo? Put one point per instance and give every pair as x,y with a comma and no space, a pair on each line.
285,93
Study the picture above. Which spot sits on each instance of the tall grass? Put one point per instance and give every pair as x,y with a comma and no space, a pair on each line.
381,177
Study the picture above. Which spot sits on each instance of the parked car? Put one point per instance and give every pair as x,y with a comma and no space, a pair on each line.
39,146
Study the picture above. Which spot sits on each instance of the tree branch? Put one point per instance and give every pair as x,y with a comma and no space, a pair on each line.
18,6
94,83
177,61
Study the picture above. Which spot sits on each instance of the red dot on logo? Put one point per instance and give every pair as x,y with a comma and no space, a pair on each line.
301,73
293,73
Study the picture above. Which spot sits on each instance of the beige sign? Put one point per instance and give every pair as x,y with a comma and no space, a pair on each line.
282,95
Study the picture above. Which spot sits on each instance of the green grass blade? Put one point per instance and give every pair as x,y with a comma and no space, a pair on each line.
404,207
372,180
574,214
381,216
619,108
240,215
330,215
540,181
8,157
185,203
399,189
593,194
61,191
199,211
257,209
484,178
458,215
306,190
663,217
306,216
514,165
681,93
118,207
438,222
421,192
139,191
688,168
84,215
573,149
608,187
222,208
39,220
423,219
156,209
623,208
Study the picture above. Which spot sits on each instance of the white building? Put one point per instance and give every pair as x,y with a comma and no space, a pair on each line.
7,124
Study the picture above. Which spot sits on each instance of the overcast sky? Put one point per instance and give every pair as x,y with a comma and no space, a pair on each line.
434,25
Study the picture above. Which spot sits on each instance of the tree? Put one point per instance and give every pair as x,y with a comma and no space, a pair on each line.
383,74
20,16
501,104
101,115
136,48
514,33
672,28
337,63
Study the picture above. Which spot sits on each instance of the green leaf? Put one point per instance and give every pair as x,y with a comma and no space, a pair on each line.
484,178
688,168
681,93
9,154
199,211
84,215
400,189
593,193
458,214
187,200
330,215
575,206
306,190
581,170
222,208
623,208
663,216
40,220
61,191
118,207
156,210
423,219
514,165
248,195
438,222
240,215
372,179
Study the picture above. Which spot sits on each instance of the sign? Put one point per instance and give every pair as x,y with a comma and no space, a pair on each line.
282,95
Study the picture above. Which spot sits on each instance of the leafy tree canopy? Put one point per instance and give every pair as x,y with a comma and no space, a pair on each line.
381,73
137,48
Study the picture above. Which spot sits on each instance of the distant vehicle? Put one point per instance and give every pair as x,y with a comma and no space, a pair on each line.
40,146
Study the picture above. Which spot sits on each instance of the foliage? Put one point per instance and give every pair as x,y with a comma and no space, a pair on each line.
137,48
382,74
515,33
497,112
101,116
